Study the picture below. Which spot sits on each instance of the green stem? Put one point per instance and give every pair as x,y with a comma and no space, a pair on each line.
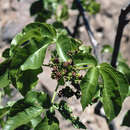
54,94
83,68
46,65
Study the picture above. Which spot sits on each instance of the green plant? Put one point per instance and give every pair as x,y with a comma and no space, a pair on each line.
90,6
25,57
58,10
46,9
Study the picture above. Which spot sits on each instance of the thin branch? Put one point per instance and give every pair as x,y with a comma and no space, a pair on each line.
69,32
87,26
123,21
77,24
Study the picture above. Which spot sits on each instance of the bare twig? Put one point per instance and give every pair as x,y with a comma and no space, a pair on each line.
87,26
77,24
123,21
69,32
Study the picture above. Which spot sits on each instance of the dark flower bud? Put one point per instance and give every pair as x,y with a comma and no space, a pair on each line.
56,60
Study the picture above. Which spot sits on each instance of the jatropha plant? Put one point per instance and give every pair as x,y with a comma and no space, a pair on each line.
72,64
22,64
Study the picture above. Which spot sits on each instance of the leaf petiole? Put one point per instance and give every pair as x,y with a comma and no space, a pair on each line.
54,94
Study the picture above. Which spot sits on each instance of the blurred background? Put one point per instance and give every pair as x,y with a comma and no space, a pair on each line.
15,15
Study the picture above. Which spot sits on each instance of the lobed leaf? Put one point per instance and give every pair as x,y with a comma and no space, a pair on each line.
4,76
4,80
4,111
34,122
111,97
36,7
22,118
64,13
46,30
64,45
119,78
38,99
82,59
85,49
35,60
33,30
124,68
5,54
88,86
115,90
27,80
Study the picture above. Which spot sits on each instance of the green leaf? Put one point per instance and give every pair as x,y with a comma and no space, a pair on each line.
13,76
107,49
126,120
34,122
58,25
85,49
48,124
4,79
38,99
66,112
18,107
18,58
46,30
5,54
111,97
64,45
89,86
92,6
33,30
22,118
4,66
21,54
22,38
24,127
43,18
35,60
4,111
64,13
82,59
115,90
8,90
61,81
36,8
97,96
2,123
124,68
119,78
27,80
